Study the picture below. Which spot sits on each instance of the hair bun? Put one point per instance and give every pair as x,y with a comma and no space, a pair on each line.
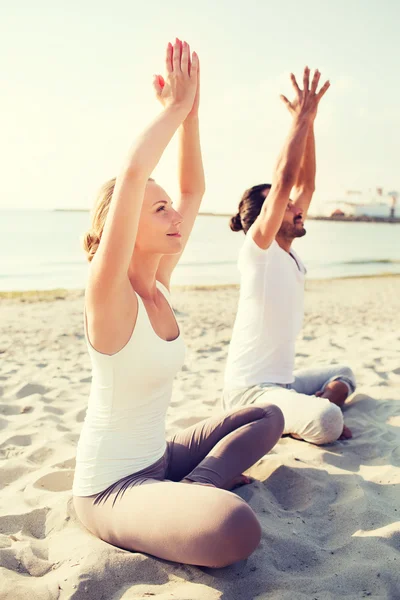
91,242
235,223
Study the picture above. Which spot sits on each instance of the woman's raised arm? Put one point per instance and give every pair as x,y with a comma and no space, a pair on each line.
111,261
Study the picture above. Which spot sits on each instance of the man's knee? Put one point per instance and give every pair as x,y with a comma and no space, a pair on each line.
346,374
327,427
237,535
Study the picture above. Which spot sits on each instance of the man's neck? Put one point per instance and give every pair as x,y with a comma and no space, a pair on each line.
284,243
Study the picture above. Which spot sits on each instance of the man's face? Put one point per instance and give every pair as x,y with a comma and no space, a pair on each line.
292,224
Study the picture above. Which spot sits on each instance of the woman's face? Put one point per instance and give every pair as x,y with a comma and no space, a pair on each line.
159,223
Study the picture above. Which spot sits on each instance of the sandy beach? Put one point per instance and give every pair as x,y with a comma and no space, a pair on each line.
330,515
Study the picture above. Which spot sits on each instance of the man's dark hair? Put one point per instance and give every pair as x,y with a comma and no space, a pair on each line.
249,207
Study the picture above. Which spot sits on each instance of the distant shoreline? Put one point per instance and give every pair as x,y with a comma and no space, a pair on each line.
348,219
68,293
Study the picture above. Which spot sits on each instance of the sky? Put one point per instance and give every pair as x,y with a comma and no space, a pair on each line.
77,89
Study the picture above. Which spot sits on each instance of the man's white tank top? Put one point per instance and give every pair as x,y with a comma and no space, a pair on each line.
124,428
269,316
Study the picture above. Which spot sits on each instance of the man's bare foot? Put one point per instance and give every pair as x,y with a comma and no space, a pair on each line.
346,433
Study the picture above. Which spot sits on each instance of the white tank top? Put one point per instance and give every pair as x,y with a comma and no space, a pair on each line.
124,428
269,316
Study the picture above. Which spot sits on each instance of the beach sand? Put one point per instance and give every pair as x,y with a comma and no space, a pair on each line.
330,515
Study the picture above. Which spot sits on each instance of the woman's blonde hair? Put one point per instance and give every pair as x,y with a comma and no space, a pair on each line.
91,239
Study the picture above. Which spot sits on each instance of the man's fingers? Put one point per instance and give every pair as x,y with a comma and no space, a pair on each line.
306,80
295,84
168,58
322,91
176,56
286,101
315,80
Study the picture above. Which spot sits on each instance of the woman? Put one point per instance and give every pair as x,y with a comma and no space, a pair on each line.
132,487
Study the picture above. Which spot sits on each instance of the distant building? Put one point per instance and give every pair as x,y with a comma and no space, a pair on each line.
338,213
375,205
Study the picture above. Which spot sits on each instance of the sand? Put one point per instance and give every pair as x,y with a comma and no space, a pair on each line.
330,515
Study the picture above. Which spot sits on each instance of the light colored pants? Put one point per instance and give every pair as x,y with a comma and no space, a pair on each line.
313,419
154,512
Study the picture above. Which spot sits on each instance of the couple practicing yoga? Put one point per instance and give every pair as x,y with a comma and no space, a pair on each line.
133,487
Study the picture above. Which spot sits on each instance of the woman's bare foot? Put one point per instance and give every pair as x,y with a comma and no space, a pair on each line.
197,482
234,483
238,481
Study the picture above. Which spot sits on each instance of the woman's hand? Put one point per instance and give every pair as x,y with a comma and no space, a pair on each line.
306,100
180,86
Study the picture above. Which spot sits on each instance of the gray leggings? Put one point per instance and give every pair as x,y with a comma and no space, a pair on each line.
155,513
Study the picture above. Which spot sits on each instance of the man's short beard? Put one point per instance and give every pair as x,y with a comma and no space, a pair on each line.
289,231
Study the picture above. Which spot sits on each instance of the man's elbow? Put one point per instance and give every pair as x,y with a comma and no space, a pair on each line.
305,188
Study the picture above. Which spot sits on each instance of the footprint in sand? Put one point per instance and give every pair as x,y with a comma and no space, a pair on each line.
298,491
9,409
29,389
55,482
66,464
40,455
81,415
32,524
18,440
3,423
11,474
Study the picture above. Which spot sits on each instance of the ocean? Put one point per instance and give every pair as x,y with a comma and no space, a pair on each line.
41,250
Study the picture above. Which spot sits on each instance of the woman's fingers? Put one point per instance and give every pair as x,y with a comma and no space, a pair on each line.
322,91
185,59
190,58
195,66
176,56
315,80
168,58
158,84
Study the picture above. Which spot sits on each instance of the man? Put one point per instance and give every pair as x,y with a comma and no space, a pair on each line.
270,313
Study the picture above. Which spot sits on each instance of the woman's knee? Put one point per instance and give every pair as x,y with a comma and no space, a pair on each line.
269,424
236,536
327,427
276,420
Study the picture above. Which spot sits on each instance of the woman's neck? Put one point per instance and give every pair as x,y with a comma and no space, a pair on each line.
142,273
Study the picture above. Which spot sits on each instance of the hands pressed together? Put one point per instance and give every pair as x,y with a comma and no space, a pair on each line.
180,87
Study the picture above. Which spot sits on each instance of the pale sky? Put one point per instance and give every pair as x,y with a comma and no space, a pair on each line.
76,90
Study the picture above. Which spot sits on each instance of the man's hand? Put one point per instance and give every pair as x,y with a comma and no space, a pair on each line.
306,100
